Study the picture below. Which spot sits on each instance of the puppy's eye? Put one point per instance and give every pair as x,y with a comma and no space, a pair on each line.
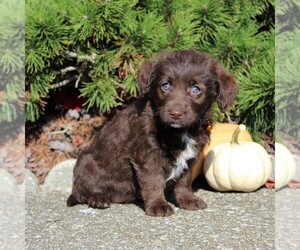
195,89
166,86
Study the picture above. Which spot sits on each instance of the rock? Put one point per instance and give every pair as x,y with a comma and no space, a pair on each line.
30,182
7,181
86,117
60,177
73,113
62,146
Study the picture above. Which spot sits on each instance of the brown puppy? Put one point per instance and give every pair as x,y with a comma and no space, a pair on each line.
149,147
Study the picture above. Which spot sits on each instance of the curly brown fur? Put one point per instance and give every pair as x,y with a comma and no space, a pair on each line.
150,146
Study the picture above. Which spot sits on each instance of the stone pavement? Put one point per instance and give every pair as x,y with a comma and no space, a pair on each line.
287,219
231,221
287,216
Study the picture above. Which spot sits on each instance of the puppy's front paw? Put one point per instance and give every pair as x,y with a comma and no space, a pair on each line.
192,203
98,201
161,209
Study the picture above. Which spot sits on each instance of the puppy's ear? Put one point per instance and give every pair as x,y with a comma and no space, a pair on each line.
144,77
228,88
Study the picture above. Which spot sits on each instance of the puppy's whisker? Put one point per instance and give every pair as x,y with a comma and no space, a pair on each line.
157,113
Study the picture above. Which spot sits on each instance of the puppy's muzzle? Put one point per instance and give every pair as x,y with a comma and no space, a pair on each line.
175,114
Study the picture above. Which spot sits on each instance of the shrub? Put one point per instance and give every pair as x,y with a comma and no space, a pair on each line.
97,47
11,60
287,100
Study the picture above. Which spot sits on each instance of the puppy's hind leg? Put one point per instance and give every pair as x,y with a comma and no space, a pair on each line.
75,198
72,201
86,183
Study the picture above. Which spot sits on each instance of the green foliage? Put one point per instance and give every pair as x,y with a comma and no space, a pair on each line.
182,31
287,99
256,96
98,46
11,60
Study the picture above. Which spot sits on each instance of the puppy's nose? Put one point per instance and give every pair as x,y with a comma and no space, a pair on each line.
175,114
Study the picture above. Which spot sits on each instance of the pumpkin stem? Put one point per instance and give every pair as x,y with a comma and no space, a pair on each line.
236,132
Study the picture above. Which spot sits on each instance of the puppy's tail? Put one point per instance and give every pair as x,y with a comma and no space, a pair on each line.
71,201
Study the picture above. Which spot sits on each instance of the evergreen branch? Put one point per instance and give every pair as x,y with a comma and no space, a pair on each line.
68,69
72,54
64,82
2,96
78,80
119,85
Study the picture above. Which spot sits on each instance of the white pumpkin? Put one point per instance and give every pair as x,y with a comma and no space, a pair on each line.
285,166
238,166
220,133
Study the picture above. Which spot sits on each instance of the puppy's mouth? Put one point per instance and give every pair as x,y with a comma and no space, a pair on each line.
175,125
178,123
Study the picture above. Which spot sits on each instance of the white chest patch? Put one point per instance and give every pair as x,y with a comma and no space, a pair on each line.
181,162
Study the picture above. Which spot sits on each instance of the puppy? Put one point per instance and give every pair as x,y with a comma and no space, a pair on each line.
148,148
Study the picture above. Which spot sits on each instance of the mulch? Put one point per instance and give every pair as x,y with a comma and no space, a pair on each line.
12,153
60,139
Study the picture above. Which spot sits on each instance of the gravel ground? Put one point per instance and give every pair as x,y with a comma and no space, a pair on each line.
232,221
287,217
12,220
